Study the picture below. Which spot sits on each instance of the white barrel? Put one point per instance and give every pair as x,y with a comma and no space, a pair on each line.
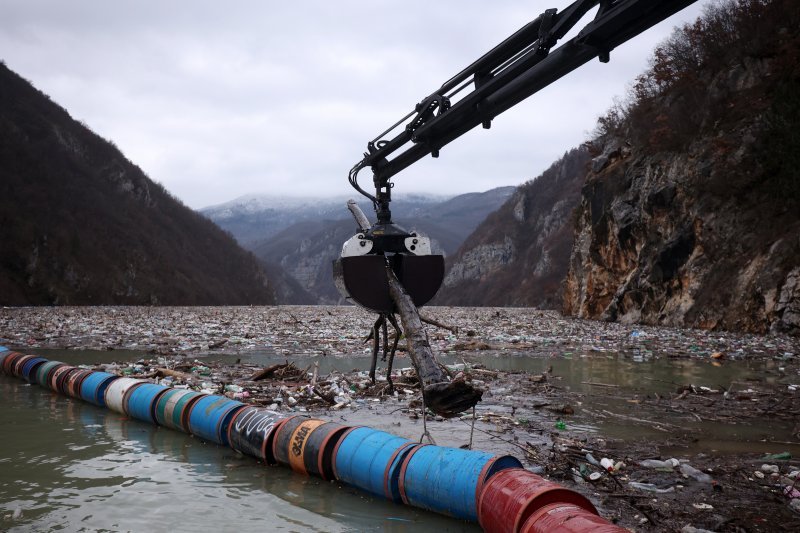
115,393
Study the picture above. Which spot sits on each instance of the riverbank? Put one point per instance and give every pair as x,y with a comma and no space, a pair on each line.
718,409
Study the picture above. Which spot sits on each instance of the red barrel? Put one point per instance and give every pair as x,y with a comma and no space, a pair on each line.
72,387
511,496
568,518
8,362
58,376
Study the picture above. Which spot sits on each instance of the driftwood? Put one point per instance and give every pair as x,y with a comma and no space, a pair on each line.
281,370
358,214
432,322
442,396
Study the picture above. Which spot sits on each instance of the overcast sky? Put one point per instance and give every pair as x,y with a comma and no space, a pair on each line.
216,100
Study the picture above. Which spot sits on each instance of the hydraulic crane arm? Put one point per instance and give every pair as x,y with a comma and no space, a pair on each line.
511,72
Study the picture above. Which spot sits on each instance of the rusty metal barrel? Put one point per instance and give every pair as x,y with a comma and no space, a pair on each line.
72,387
58,376
568,518
18,364
511,496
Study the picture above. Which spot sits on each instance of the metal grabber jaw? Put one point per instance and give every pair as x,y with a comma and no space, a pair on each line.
360,272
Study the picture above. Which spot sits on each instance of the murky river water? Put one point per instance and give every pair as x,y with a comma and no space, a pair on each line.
67,465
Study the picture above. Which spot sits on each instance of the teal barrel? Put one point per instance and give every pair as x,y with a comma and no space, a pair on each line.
252,431
93,387
43,372
210,416
449,480
172,408
140,402
370,460
117,390
29,368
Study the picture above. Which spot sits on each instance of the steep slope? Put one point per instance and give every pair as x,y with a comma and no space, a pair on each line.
80,224
519,255
691,216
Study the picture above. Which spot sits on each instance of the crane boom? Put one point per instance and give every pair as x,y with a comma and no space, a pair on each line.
512,71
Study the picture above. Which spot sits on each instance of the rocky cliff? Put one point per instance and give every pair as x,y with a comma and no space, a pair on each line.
690,215
519,255
80,224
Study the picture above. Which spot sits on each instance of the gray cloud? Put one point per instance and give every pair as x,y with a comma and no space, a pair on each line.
219,100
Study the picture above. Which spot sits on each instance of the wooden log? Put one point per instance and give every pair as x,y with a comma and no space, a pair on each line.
442,396
358,214
183,376
269,371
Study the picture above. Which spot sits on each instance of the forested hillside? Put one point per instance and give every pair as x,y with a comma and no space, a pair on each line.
81,224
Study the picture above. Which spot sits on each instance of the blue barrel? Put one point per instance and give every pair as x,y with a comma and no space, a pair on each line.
93,388
140,402
370,460
210,416
29,368
449,480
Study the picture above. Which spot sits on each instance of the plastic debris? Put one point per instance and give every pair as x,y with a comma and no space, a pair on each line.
669,464
649,487
690,471
777,456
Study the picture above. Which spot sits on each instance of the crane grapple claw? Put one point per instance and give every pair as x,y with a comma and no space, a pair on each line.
362,279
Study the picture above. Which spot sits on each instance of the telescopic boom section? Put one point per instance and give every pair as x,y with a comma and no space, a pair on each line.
508,74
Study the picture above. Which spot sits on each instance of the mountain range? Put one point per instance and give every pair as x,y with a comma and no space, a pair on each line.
303,236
